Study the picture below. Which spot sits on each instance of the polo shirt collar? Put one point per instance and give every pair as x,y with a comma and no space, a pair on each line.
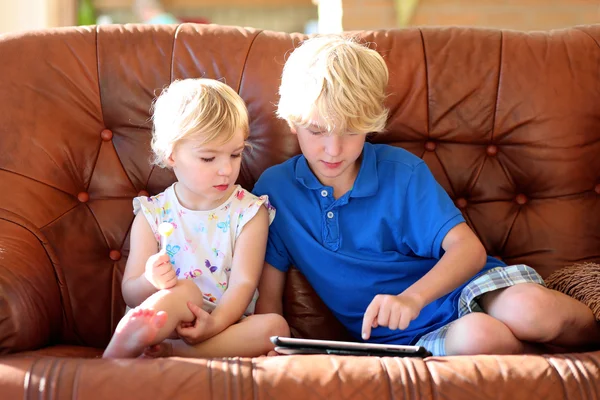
367,181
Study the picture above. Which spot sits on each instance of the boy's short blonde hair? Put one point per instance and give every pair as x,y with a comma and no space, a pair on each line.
203,109
340,81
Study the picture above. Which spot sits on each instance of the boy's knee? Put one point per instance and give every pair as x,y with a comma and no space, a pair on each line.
533,313
479,333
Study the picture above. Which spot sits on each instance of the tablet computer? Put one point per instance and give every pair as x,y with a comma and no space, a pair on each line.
286,345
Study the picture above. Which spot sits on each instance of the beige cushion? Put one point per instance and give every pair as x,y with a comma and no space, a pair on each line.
580,281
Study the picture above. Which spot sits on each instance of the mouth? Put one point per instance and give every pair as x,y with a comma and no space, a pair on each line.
331,165
221,188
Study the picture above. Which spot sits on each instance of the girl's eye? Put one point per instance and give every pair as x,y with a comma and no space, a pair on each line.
207,159
238,155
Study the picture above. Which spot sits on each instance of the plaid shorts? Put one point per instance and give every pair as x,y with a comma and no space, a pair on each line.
494,279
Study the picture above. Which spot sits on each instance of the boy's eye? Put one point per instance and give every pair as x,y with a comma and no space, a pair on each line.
316,133
207,159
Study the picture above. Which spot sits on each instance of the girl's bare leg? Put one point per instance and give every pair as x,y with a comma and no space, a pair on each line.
247,338
134,333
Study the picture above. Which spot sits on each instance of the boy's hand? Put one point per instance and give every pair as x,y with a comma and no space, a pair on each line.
395,312
159,271
202,328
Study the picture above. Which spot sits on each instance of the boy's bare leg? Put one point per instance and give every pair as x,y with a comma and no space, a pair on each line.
247,338
541,315
173,302
479,333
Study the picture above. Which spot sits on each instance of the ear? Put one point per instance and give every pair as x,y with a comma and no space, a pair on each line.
170,161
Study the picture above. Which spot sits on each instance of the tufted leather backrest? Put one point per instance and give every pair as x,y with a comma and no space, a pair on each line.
508,122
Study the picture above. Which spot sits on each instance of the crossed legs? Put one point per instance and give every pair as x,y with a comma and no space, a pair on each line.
156,318
519,317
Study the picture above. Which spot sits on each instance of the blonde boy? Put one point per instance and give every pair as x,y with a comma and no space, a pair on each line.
378,238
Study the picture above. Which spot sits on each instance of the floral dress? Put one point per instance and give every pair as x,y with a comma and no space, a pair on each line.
202,243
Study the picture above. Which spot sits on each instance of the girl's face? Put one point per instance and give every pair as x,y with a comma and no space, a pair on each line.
206,173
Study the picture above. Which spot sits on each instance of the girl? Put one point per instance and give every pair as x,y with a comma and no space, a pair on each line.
202,283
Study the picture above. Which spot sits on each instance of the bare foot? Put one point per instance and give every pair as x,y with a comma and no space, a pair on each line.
136,331
164,349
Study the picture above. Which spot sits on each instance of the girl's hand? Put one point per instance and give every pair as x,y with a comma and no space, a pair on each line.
202,328
395,312
159,271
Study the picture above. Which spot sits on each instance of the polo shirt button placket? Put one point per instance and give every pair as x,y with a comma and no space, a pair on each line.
332,235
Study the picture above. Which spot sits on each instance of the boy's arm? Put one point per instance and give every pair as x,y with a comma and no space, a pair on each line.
270,291
135,286
248,260
464,257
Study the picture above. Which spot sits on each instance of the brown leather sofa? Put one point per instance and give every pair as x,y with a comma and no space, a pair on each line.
508,121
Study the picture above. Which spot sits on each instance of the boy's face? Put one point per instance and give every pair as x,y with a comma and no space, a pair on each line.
332,156
206,173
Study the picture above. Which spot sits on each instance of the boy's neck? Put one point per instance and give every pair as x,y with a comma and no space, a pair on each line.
342,184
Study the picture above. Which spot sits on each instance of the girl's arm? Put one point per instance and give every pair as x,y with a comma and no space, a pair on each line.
135,286
248,260
270,291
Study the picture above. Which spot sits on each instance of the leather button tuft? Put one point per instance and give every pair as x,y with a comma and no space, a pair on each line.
430,146
491,150
461,203
521,199
597,188
115,255
143,193
83,197
106,135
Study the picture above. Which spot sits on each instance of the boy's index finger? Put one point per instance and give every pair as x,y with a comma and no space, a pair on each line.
369,317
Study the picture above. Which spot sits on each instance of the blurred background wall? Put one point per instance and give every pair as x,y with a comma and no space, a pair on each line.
311,15
22,14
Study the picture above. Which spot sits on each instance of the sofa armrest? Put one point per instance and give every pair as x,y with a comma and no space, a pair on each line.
302,377
30,306
580,281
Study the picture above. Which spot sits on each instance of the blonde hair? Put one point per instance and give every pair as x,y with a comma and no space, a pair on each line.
338,80
204,109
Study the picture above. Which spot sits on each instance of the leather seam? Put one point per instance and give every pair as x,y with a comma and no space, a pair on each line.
497,85
426,84
591,37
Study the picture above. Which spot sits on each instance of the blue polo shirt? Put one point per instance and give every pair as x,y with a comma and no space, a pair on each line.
379,238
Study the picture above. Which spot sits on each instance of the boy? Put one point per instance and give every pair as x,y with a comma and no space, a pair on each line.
379,239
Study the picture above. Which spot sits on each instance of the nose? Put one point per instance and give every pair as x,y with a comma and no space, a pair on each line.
225,167
333,145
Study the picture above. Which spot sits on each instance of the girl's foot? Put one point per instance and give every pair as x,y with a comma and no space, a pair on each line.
164,349
136,331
